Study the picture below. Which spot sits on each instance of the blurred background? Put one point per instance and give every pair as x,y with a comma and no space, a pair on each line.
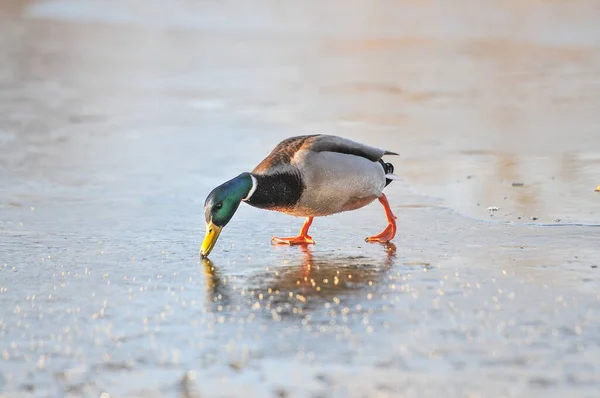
117,117
474,96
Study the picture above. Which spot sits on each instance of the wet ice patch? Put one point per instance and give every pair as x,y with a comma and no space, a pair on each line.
148,13
6,137
82,11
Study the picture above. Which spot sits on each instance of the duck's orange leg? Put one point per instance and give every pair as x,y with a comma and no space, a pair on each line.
302,239
390,231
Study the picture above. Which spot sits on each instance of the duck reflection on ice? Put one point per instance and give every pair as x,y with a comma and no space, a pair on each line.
216,287
298,287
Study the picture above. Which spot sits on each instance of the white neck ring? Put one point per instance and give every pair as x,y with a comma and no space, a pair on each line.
254,185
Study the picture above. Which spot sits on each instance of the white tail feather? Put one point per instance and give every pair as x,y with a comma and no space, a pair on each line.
393,177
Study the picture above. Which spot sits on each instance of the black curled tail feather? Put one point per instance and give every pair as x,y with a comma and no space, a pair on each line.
388,168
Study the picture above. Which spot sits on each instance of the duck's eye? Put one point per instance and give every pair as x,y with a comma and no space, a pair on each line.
218,206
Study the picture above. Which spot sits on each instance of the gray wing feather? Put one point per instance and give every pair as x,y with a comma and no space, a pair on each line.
331,143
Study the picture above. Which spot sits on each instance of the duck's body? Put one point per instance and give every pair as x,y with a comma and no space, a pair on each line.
319,175
307,176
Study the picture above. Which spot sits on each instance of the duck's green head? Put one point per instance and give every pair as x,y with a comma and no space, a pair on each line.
220,206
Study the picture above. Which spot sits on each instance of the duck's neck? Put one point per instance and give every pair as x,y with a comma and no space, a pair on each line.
250,181
240,187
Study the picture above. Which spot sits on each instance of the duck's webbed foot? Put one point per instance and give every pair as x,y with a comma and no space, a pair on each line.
390,231
385,236
296,240
302,239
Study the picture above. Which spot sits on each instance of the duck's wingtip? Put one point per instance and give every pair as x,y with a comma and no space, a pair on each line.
391,176
391,153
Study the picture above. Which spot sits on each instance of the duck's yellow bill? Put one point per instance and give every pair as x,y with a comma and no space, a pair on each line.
212,234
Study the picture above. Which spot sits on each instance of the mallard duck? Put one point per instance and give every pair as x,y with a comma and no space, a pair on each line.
306,176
